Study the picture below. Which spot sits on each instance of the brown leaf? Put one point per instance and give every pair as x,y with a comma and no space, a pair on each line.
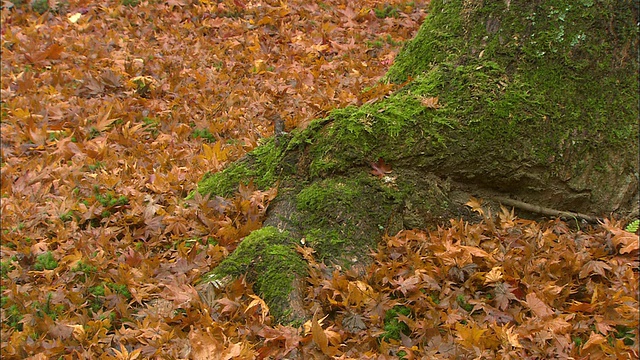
430,102
539,308
594,267
353,322
263,306
319,337
380,168
475,205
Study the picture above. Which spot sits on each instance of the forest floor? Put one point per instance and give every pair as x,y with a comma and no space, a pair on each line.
112,111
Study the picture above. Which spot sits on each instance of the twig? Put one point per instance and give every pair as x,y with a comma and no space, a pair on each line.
546,211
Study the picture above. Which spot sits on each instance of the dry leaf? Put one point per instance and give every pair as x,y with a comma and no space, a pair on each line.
430,102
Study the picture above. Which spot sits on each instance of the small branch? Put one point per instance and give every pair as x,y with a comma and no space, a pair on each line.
546,211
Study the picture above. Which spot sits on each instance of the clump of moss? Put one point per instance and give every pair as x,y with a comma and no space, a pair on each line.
120,289
40,6
268,259
45,261
204,134
260,165
393,327
47,308
84,269
6,267
336,215
13,317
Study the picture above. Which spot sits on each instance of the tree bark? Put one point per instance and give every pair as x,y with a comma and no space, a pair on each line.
535,102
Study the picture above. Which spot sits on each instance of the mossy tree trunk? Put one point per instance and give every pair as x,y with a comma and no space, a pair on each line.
535,101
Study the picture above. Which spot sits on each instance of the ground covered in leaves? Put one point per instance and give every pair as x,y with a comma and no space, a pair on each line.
111,113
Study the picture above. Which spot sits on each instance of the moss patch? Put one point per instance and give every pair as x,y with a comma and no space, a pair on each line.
344,216
533,103
393,327
536,84
262,165
267,257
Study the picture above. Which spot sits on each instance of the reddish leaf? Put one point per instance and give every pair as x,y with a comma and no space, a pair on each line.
380,168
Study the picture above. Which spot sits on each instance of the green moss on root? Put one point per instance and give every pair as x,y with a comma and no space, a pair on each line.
267,257
343,217
528,105
260,166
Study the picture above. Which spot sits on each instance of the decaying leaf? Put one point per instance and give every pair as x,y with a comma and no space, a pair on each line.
430,102
380,168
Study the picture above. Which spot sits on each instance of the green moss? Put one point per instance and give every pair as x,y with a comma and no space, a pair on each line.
97,290
110,200
393,327
344,216
389,129
438,41
267,257
261,165
462,302
385,11
121,289
530,69
528,103
13,317
47,308
45,261
205,134
84,269
131,3
40,6
6,267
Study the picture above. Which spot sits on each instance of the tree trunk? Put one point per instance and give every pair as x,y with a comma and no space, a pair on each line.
535,102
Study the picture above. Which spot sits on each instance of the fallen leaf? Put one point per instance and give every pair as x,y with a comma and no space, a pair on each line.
430,102
319,337
380,168
539,308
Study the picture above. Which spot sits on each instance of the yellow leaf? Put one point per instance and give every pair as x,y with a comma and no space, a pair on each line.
258,301
75,17
475,205
469,335
494,275
319,337
259,66
208,151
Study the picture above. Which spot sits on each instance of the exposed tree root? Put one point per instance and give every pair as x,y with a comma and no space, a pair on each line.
546,211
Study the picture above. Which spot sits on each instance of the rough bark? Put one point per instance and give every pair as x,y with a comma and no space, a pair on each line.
531,101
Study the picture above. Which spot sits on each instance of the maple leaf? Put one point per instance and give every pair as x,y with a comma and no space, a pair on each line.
469,335
475,205
539,308
257,301
594,340
503,293
594,267
510,336
353,322
430,102
408,285
494,275
380,168
319,336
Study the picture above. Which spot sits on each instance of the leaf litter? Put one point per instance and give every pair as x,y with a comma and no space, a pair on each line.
112,112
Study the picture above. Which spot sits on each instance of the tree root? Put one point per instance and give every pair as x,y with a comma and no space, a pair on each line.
546,211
